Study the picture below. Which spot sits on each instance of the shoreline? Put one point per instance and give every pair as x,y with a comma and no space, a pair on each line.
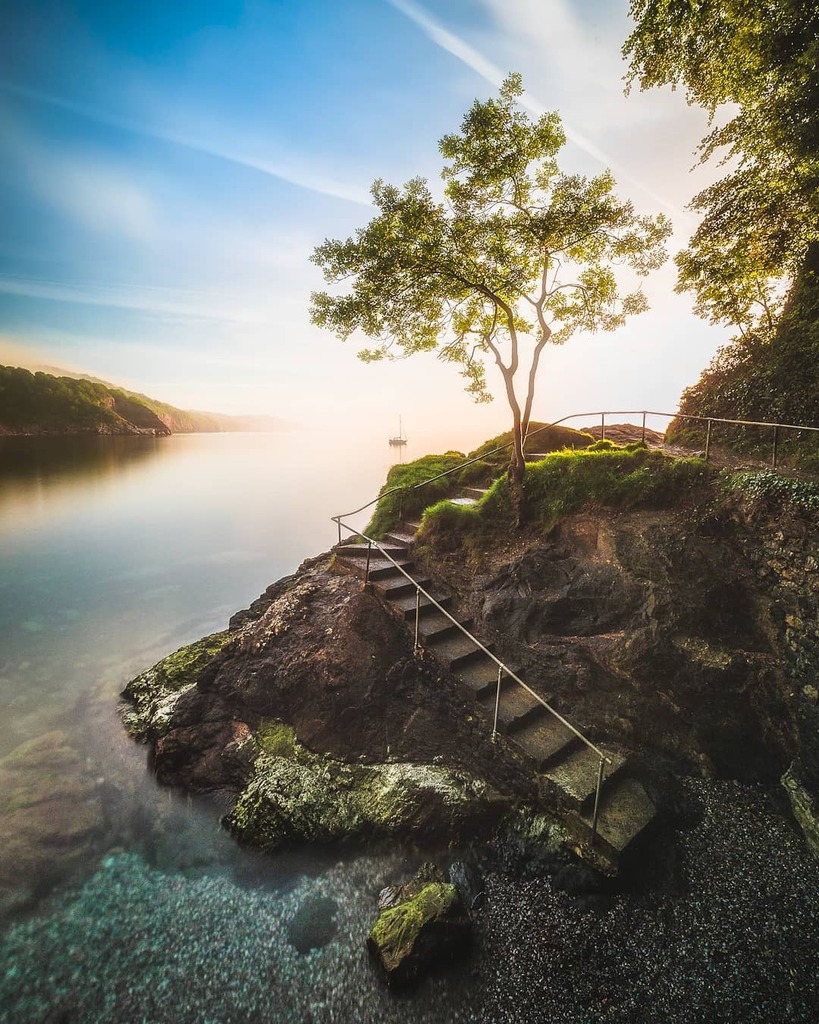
734,939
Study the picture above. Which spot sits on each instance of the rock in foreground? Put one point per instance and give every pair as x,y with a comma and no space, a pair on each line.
427,925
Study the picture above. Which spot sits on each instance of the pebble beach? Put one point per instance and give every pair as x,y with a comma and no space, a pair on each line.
734,938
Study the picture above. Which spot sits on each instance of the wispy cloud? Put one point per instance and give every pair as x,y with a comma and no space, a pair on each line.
92,190
166,302
493,74
294,170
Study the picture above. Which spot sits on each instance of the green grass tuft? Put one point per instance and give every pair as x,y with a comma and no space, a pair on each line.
540,438
564,482
406,503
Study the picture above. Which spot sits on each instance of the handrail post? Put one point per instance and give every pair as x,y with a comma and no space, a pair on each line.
602,426
708,441
367,567
600,770
416,645
338,521
644,427
775,445
497,705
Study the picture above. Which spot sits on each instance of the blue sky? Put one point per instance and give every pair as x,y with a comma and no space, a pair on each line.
168,168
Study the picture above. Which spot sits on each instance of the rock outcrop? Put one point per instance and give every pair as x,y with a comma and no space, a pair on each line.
313,712
685,635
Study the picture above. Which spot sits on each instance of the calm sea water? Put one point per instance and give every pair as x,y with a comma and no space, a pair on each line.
114,552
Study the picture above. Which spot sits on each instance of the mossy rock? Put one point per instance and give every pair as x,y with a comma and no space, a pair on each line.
295,796
150,698
429,927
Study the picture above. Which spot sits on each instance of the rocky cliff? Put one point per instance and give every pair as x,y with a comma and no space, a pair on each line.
684,630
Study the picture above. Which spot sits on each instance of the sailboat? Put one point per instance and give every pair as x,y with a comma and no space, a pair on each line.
399,439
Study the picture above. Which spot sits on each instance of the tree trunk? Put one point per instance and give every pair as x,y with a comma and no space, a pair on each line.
516,474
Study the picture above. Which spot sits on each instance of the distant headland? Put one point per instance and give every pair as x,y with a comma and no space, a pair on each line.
40,403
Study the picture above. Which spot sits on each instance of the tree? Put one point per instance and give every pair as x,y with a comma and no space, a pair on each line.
516,256
758,61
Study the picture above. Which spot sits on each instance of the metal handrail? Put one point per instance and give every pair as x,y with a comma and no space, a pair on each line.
709,420
604,759
504,668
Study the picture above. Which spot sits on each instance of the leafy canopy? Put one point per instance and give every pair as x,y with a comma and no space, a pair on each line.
758,61
516,250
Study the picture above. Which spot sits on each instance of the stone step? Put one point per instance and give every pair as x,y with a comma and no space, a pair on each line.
475,492
544,740
516,706
456,650
435,626
575,775
481,676
463,500
400,537
625,810
359,551
394,584
405,604
381,568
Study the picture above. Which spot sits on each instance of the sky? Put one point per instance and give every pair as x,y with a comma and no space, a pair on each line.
166,170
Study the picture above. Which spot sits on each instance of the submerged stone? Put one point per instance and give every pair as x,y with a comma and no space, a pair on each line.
314,923
51,816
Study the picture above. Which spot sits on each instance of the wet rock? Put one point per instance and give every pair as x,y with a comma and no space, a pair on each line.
804,809
428,926
151,698
294,795
469,881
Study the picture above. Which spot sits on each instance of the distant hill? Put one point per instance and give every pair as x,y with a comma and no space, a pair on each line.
42,403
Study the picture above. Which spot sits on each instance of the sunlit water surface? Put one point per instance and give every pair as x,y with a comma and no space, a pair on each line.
114,552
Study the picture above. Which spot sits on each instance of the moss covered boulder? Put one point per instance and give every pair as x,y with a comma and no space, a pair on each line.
294,795
429,925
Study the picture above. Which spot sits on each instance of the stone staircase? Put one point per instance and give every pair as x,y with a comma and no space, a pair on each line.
567,769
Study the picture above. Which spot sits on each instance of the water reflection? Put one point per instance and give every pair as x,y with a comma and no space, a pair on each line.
48,462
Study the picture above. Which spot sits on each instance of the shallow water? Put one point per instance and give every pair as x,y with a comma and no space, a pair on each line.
114,552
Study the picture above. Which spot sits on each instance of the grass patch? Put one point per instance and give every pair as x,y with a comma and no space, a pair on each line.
405,502
603,474
540,438
409,503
